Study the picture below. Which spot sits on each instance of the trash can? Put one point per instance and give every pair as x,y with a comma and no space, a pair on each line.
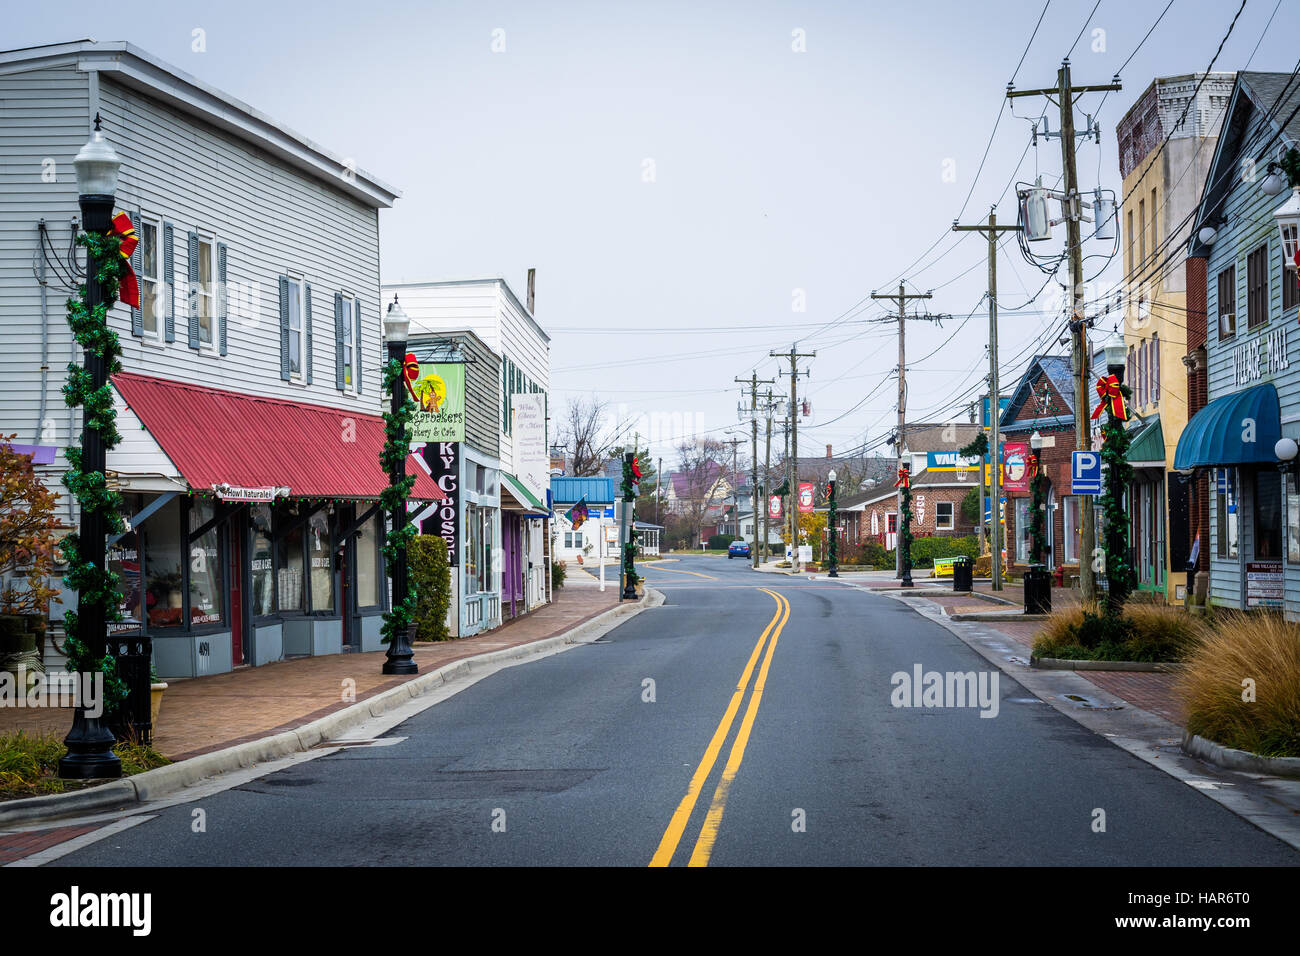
1038,590
963,570
134,657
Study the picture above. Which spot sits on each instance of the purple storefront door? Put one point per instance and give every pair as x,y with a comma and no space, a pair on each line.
511,590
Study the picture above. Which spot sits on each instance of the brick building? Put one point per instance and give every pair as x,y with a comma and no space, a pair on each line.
941,480
1042,403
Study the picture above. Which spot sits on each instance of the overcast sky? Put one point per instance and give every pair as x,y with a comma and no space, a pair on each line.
684,176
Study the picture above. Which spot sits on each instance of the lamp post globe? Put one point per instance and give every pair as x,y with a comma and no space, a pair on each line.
1116,352
90,742
400,658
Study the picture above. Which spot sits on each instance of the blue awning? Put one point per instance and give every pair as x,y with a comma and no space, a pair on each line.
1221,433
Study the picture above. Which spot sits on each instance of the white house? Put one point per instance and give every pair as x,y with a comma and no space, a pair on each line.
504,477
250,399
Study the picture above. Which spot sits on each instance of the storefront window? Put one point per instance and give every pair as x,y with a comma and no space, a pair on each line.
290,576
1292,520
1022,530
124,561
1071,505
473,548
322,563
260,561
164,597
205,568
485,569
1225,511
1268,515
368,593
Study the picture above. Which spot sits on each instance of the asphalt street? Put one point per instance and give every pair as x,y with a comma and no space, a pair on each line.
750,720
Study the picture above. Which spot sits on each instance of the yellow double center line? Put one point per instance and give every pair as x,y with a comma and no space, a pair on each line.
713,820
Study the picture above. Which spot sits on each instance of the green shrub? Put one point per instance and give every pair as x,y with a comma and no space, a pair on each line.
874,554
431,575
719,542
558,570
1143,632
925,550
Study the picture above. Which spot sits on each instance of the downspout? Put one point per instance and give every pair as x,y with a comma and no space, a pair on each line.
45,329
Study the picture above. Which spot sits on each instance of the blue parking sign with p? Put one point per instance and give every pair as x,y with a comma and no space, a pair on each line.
1085,473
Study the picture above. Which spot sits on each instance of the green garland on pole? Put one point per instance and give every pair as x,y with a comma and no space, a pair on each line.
397,446
94,584
629,546
1037,516
905,527
1114,453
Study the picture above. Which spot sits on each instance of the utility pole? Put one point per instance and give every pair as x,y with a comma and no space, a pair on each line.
991,231
792,461
1073,204
901,299
754,381
735,480
769,407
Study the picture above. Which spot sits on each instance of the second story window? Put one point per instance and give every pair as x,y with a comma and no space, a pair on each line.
293,331
1257,287
151,308
347,331
207,292
1290,288
1227,302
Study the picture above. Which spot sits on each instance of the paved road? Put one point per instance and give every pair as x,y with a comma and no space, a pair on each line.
566,760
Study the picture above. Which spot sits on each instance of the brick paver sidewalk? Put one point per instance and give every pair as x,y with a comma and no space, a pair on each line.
210,713
1150,691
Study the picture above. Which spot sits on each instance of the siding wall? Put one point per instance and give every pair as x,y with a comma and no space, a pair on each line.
43,115
1250,223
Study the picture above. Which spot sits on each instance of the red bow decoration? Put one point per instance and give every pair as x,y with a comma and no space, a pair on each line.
1109,391
1031,466
410,371
903,480
636,468
129,288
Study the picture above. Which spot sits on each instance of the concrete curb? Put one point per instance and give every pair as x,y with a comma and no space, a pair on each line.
153,784
1227,757
1144,667
997,616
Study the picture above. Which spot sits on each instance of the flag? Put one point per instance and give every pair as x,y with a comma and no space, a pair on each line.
577,514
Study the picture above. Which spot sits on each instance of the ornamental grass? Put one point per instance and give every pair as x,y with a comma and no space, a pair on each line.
1144,632
1241,684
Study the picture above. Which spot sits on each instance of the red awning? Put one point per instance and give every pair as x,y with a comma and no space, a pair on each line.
216,437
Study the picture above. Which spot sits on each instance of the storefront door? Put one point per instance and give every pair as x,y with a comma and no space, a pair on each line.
236,578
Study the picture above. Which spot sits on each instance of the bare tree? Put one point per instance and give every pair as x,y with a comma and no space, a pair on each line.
586,436
702,479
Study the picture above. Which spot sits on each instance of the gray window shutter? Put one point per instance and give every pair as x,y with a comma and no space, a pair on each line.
306,324
357,363
338,341
284,329
169,281
194,289
221,296
137,317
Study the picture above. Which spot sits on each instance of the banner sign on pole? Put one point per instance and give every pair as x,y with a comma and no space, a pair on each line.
805,497
1015,466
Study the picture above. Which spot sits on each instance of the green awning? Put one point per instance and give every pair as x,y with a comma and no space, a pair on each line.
1148,444
515,488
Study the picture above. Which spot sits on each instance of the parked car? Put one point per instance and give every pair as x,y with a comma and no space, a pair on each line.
738,549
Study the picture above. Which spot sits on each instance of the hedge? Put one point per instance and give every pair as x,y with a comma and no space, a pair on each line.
431,574
925,550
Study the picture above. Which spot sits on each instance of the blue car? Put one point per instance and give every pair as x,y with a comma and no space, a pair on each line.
738,549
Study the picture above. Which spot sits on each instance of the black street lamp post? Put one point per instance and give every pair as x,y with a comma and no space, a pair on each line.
905,521
629,522
90,742
832,521
1115,444
401,657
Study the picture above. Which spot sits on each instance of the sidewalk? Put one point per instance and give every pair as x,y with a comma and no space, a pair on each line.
1150,691
204,714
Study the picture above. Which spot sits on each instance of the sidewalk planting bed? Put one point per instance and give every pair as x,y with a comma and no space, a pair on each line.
29,764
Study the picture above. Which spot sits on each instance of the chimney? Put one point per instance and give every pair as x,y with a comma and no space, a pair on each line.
828,453
532,289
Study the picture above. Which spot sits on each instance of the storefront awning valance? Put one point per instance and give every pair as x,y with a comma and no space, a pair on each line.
216,438
1237,429
516,497
1148,445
